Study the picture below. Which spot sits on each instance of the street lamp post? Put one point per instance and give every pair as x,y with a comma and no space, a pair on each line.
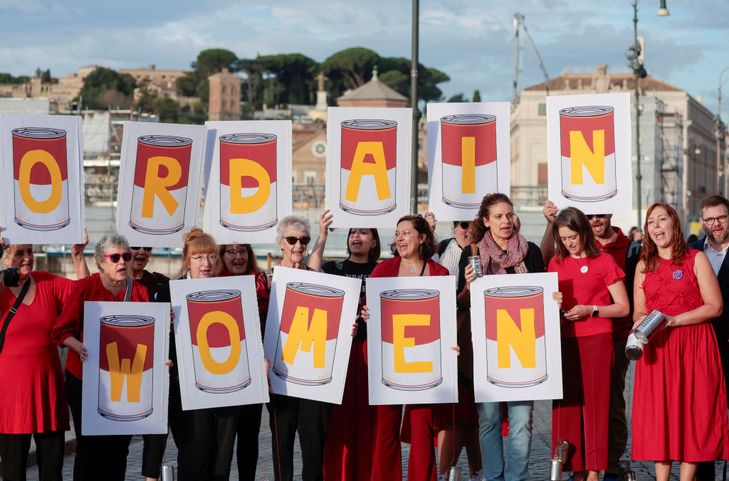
414,105
719,132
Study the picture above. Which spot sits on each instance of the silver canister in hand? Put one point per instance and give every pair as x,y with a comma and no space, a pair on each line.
475,262
641,334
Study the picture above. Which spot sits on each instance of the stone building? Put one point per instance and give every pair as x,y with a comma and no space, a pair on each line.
373,94
224,102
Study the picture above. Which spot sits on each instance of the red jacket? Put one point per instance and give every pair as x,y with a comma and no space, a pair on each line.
390,267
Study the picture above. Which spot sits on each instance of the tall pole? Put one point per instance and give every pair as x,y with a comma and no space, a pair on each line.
638,176
719,133
416,112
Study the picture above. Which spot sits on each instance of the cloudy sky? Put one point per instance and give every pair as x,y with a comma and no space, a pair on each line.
471,40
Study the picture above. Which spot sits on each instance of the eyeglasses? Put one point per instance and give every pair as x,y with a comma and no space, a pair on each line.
20,253
596,216
146,249
293,240
463,225
712,220
236,253
207,257
114,258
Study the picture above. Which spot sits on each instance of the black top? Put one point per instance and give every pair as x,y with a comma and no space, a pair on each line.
533,262
356,270
158,286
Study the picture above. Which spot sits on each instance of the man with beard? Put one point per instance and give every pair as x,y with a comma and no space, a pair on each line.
610,240
715,221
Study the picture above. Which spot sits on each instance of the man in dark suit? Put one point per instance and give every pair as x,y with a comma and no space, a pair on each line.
715,221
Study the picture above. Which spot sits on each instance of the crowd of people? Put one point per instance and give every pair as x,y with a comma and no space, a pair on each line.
608,283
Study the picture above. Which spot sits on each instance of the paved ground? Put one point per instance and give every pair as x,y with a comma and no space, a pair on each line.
538,462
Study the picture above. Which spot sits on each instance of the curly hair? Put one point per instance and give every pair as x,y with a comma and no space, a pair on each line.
428,247
575,220
478,229
649,249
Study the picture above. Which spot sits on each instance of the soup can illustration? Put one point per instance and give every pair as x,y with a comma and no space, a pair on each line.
587,141
468,153
40,175
160,208
368,164
411,346
219,350
307,341
515,345
248,181
126,381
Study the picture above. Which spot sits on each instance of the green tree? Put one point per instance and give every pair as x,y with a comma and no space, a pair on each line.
214,60
103,80
458,98
167,109
476,96
8,79
349,69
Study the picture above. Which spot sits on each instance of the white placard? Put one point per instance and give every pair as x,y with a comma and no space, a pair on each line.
411,334
218,341
41,179
468,156
126,381
516,338
368,165
589,155
159,182
246,205
309,333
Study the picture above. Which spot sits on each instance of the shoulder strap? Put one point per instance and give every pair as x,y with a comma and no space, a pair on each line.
443,245
13,310
128,294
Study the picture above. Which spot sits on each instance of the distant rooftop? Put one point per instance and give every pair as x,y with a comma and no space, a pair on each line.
596,82
373,90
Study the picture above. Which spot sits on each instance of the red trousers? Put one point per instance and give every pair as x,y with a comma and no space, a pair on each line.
582,416
386,454
348,448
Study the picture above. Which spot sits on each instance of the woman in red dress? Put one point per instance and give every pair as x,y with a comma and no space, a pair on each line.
413,248
97,457
679,399
31,381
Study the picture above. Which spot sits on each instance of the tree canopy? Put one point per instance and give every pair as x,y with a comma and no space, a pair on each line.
106,88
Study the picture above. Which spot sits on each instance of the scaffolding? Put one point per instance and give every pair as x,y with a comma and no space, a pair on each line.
670,153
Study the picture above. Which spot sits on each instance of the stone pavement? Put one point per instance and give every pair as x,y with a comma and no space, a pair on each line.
539,461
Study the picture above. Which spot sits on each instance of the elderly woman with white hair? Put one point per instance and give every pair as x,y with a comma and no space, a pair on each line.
97,457
31,381
289,414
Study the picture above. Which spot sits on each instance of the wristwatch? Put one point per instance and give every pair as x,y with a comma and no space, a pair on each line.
595,311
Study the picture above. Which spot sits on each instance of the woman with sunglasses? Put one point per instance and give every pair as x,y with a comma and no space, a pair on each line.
348,450
679,396
289,415
413,248
204,437
31,380
97,457
502,250
593,297
239,260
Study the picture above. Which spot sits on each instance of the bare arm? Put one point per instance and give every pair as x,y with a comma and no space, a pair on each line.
547,244
710,294
317,252
640,310
79,260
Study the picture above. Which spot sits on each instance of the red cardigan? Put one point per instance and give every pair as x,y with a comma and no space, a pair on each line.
390,268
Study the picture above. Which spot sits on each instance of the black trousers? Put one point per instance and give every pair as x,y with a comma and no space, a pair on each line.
204,439
152,454
249,425
14,450
289,415
97,457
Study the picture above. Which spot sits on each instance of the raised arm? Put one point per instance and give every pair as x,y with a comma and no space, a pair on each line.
317,252
547,245
79,260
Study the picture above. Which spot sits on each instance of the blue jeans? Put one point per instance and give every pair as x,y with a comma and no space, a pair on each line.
492,445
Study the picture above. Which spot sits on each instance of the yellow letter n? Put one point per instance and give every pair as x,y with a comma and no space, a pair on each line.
581,155
524,340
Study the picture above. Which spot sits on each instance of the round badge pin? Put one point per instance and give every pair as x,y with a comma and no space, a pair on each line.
584,269
677,274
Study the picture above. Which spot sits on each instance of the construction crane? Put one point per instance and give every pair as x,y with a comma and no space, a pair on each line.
519,26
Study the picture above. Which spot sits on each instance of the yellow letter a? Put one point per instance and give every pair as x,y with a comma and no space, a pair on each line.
378,168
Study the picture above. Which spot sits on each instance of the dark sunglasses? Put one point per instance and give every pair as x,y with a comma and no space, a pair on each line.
293,240
114,258
146,249
20,253
464,225
596,216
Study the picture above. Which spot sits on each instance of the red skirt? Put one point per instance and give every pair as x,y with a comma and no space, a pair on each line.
679,399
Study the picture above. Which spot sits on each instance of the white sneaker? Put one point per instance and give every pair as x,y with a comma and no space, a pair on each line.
477,477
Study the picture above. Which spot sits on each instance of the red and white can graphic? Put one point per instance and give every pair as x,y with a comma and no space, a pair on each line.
40,172
248,181
368,166
587,140
218,335
411,346
468,153
126,358
515,344
307,342
161,176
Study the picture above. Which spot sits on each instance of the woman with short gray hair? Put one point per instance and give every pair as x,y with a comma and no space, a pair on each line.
97,457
